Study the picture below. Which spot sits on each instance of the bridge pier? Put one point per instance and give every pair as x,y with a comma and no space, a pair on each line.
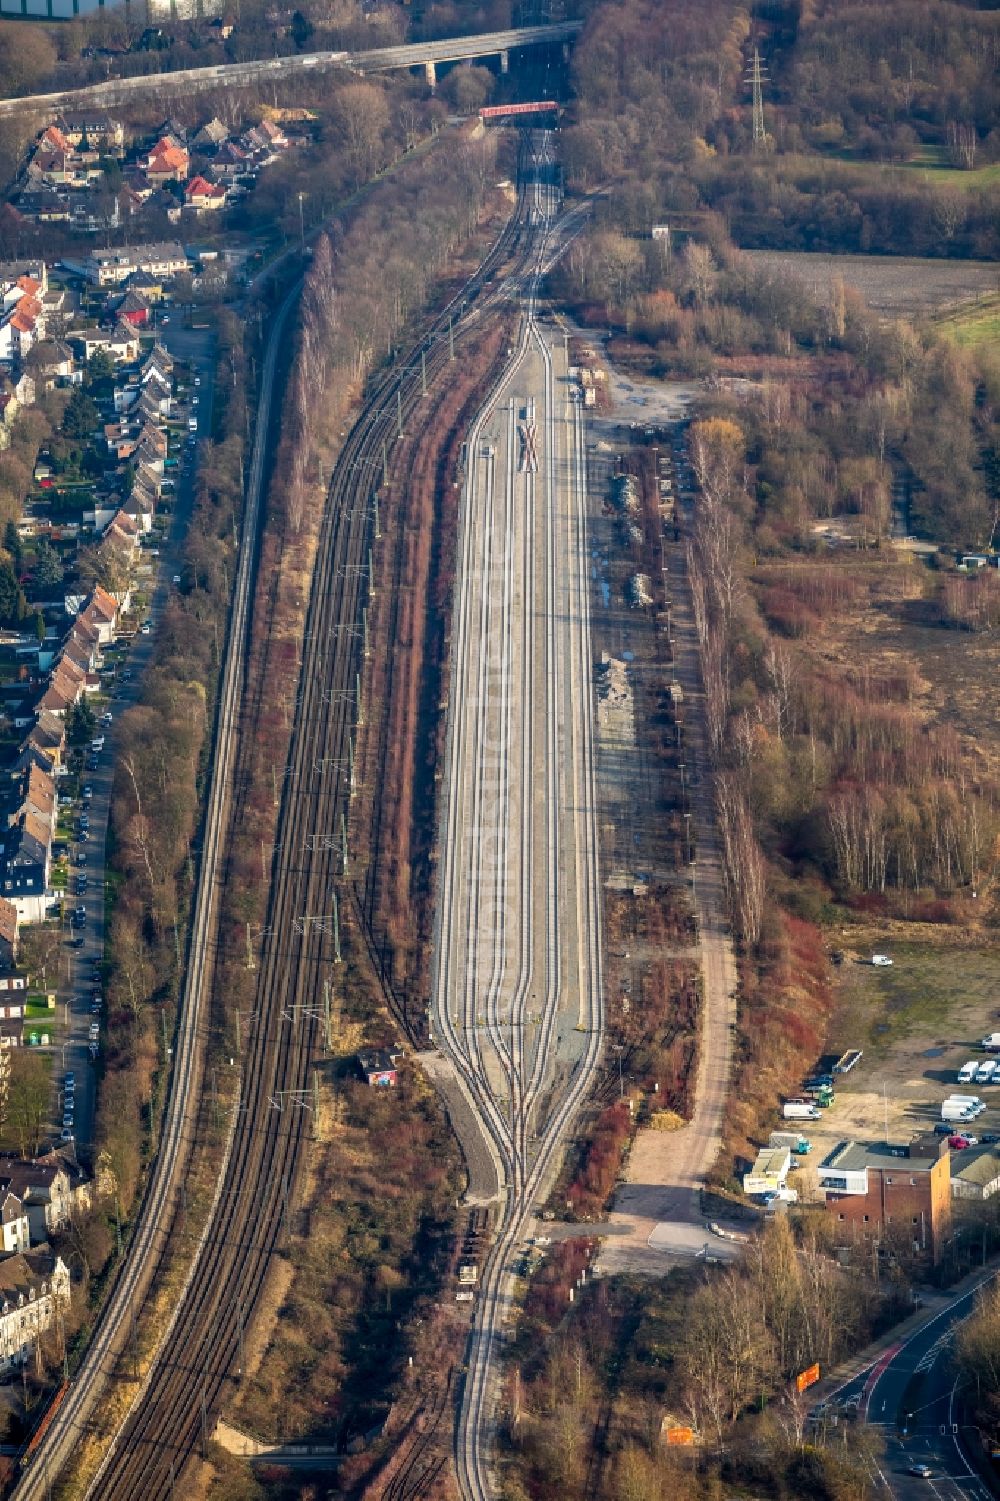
430,73
505,62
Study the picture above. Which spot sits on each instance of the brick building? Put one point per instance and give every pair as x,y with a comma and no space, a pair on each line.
882,1190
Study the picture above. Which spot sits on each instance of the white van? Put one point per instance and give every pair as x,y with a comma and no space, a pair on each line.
192,424
967,1072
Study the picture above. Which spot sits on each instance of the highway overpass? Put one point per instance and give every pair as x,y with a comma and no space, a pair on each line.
426,55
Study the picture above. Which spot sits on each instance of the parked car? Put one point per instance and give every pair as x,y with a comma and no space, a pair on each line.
88,792
70,1081
106,717
66,1134
959,1143
95,1031
923,1472
144,628
881,961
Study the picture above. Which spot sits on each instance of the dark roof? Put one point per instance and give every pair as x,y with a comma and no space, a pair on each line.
376,1060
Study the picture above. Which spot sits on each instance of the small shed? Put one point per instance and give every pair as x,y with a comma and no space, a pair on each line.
378,1068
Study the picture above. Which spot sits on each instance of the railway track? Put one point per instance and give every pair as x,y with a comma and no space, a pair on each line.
518,939
175,1410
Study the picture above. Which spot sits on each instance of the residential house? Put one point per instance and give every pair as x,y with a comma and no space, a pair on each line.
43,205
121,343
122,532
26,870
159,360
884,1191
101,613
139,189
203,196
162,202
134,309
211,136
11,1006
9,923
167,162
33,1290
52,1189
229,163
378,1067
164,259
975,1173
22,324
147,285
20,277
15,1234
55,365
67,686
53,139
89,215
47,735
91,127
36,794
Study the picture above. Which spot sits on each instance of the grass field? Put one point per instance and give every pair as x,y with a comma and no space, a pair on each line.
895,285
974,327
938,995
930,165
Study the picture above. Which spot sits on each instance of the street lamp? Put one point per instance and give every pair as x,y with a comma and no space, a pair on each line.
302,224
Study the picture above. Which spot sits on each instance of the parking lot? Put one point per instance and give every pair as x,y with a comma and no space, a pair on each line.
919,1021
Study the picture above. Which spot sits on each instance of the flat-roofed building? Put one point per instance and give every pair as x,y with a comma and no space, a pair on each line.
876,1187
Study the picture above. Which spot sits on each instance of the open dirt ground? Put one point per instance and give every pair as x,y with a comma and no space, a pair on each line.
896,285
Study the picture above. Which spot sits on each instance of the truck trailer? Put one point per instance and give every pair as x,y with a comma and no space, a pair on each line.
794,1141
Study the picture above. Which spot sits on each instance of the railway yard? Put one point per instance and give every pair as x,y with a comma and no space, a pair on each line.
557,929
517,1000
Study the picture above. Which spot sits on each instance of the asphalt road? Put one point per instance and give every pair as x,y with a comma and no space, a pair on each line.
910,1392
73,1054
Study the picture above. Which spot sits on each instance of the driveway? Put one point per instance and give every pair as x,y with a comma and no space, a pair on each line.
194,345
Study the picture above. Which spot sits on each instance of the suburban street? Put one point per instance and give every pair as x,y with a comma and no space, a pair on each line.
518,993
73,1052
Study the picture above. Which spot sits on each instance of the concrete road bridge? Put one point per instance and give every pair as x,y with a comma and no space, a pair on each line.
426,55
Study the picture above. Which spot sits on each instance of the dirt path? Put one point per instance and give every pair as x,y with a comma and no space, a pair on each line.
659,1204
